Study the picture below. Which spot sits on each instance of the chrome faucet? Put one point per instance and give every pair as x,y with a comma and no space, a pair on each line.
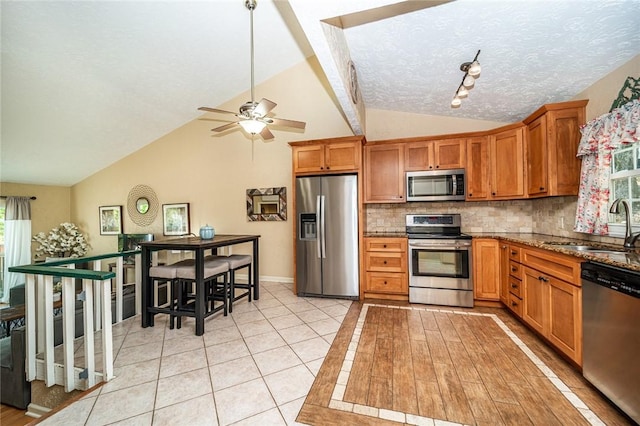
629,237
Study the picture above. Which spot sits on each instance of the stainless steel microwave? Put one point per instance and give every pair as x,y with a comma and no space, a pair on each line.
436,185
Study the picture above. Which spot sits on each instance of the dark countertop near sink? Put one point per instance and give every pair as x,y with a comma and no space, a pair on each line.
622,259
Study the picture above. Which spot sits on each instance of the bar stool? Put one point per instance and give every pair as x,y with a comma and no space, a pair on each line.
236,262
169,273
214,290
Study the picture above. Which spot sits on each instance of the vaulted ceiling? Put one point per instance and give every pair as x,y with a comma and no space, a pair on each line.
87,83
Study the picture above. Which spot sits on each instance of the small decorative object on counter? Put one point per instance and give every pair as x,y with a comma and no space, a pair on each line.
207,232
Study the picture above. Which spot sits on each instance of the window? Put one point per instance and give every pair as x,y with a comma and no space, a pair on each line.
624,182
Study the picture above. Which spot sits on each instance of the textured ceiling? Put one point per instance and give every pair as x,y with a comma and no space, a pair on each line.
86,83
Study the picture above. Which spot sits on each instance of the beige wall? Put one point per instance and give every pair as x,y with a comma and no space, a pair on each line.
603,92
382,124
213,172
50,208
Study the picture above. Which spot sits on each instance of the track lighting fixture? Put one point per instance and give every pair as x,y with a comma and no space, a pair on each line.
471,73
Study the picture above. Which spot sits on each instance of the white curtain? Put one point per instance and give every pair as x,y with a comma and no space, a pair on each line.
17,241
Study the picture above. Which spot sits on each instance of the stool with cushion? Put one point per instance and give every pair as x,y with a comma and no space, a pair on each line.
236,262
170,273
215,290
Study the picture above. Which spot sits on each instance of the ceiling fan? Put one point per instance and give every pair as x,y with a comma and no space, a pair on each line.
253,115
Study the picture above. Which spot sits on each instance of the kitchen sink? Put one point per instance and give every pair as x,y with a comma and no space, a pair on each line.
590,249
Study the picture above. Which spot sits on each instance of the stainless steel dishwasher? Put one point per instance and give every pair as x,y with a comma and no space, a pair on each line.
611,334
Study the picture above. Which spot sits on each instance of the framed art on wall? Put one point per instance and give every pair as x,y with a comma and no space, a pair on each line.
175,219
110,220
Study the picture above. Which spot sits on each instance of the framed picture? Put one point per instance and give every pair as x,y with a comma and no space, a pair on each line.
110,220
175,219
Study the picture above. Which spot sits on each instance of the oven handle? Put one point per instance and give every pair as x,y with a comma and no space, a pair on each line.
464,245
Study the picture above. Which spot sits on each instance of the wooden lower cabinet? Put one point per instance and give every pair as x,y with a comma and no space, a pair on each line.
565,318
385,275
486,269
552,306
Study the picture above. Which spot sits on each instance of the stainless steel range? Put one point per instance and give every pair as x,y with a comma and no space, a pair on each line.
439,260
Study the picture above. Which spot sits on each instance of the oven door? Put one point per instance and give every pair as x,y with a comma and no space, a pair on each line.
440,264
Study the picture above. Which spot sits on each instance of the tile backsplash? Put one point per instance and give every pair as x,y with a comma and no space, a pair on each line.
551,216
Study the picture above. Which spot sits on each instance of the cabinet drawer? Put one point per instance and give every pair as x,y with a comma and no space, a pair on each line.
515,304
381,282
566,268
515,287
515,269
385,244
514,253
385,262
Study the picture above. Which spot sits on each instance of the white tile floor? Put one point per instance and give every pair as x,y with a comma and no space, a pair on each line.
254,366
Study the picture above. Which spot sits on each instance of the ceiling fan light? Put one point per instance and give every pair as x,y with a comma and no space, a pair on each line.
475,69
252,126
468,81
462,92
456,102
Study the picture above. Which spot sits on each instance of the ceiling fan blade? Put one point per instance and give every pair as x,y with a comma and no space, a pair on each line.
263,107
266,133
288,123
221,111
225,127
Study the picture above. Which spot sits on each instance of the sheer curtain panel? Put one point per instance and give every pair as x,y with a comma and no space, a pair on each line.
17,241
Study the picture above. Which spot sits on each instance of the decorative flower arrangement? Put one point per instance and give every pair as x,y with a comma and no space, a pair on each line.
65,240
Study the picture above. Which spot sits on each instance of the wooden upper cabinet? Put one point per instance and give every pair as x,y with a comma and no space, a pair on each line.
477,168
507,164
537,158
553,135
384,173
435,155
327,156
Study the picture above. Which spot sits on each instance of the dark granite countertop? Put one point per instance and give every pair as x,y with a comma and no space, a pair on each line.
385,235
622,258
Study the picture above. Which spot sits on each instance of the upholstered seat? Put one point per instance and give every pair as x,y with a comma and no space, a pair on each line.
215,290
236,262
169,273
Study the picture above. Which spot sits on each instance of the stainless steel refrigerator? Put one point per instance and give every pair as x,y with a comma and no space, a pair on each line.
327,236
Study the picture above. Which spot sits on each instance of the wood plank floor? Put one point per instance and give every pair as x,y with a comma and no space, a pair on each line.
437,365
10,416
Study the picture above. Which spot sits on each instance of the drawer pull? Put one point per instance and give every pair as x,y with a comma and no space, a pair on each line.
513,252
543,279
385,262
514,285
384,246
514,304
513,269
385,283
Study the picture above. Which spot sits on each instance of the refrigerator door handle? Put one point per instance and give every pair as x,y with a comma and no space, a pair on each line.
318,226
322,228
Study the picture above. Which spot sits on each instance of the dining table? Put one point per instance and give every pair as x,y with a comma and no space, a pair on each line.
199,247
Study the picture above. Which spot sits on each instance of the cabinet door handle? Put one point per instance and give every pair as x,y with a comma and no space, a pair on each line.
542,188
321,168
514,252
514,304
514,286
493,193
385,283
470,195
514,269
543,279
437,167
328,167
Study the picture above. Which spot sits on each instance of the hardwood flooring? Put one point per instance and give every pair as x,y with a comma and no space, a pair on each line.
10,416
482,367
